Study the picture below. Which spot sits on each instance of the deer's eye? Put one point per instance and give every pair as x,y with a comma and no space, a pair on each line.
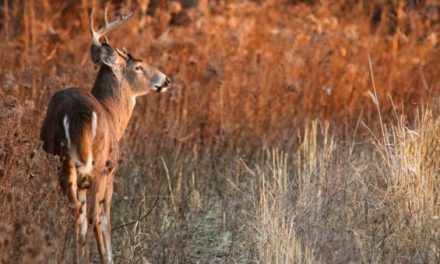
139,68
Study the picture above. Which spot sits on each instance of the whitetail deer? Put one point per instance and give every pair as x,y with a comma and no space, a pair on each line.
84,129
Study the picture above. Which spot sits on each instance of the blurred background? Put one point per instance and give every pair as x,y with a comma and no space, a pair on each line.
295,131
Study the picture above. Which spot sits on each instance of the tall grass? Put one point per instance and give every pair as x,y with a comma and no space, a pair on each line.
275,229
382,207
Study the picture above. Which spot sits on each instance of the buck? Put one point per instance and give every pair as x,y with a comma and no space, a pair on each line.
84,129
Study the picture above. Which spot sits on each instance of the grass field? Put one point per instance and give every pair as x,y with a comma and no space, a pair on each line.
295,132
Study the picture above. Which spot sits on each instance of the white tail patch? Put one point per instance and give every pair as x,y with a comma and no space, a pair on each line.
133,101
66,131
94,124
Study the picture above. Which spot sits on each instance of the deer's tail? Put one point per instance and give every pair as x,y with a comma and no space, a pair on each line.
79,135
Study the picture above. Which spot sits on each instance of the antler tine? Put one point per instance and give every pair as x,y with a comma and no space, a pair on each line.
105,15
96,35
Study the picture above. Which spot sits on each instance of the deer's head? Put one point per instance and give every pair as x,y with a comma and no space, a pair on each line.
140,77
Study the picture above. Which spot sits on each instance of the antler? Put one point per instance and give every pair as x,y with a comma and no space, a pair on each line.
96,35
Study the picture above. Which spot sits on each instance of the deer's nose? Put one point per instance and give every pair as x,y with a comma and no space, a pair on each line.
167,81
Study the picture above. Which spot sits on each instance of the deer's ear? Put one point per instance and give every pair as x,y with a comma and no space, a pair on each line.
104,54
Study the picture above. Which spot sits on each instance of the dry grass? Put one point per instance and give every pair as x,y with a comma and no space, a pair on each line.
269,149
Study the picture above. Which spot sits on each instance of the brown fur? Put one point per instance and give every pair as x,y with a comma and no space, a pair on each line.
78,105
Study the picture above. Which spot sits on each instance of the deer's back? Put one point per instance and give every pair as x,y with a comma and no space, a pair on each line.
77,107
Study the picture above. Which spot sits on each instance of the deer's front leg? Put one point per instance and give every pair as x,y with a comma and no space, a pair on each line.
100,223
105,216
97,228
106,233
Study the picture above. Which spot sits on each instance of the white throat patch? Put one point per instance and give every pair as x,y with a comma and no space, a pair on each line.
133,101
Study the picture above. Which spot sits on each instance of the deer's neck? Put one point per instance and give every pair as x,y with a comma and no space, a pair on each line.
115,97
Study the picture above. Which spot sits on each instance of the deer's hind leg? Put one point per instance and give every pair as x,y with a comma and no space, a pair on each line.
81,228
68,182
